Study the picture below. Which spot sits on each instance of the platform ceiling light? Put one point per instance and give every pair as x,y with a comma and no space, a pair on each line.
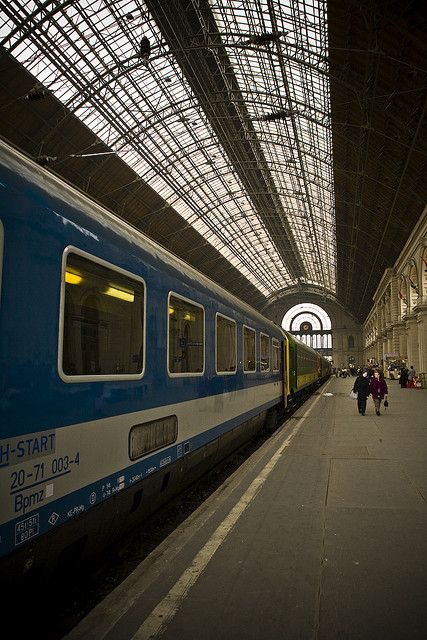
266,38
277,115
36,93
145,49
43,161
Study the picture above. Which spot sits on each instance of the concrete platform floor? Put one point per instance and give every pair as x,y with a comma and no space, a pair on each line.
320,535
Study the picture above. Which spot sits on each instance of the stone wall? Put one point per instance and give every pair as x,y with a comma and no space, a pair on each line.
397,323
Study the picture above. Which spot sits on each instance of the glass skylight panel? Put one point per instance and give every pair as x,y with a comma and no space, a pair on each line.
87,54
304,43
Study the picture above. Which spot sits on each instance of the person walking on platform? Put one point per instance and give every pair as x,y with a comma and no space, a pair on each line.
361,387
411,376
379,390
403,379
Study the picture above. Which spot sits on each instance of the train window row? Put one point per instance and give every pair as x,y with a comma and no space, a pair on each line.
103,328
306,362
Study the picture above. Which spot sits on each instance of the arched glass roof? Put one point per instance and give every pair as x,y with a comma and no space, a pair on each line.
222,107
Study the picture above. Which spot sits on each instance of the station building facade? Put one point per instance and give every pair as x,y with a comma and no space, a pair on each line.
396,327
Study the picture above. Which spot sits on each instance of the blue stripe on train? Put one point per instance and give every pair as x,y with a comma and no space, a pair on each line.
31,524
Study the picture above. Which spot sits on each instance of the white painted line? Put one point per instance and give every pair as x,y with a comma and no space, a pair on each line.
164,612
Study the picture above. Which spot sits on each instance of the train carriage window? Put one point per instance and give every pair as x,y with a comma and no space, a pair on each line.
103,320
275,355
265,352
186,343
249,355
226,348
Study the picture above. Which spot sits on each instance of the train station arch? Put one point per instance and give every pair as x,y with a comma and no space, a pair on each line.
310,324
345,330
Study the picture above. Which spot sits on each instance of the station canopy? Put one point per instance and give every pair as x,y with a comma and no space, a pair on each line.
222,108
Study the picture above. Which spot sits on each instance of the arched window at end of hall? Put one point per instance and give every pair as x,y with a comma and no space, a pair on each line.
311,324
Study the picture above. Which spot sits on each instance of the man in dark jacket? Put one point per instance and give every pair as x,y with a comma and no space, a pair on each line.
361,387
403,377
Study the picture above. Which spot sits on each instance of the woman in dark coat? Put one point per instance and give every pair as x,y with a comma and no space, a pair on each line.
361,387
378,390
403,377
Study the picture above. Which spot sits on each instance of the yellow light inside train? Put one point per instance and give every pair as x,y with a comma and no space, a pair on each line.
190,317
128,296
72,278
171,311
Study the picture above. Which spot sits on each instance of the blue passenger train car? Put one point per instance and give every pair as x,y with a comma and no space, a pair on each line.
124,373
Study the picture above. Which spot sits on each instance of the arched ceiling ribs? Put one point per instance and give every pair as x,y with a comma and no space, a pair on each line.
218,82
227,127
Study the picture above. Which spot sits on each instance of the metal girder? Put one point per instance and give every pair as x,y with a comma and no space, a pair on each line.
196,43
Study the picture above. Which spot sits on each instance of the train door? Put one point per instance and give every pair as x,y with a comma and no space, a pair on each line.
285,363
293,368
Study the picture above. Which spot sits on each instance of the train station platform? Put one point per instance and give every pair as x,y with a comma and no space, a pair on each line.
321,534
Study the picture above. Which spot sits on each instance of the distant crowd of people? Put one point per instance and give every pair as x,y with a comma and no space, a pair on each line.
407,377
